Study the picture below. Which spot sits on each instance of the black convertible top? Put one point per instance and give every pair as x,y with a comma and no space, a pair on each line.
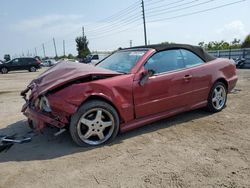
195,49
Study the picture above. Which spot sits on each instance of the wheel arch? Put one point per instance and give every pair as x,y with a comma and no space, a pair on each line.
224,81
107,100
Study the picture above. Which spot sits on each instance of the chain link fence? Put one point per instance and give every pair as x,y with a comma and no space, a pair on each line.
233,54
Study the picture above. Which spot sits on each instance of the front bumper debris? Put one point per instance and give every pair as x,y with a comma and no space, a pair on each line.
40,119
6,142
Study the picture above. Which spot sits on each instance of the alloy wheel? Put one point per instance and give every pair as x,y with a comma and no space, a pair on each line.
95,126
219,97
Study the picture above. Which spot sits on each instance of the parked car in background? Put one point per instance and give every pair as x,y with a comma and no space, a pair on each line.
240,62
68,60
130,88
24,63
73,60
48,62
94,58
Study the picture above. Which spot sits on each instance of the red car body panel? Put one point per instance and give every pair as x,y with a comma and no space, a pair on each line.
68,85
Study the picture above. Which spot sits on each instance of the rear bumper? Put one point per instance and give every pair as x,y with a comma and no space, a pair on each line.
232,83
40,119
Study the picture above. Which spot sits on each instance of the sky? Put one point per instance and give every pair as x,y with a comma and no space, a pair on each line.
26,25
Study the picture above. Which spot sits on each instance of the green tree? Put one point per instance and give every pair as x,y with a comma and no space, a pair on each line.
70,56
7,57
246,43
236,43
220,45
82,46
202,44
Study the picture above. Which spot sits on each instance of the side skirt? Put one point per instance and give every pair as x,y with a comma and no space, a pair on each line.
150,119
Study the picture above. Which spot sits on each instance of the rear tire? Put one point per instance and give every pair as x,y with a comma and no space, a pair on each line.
96,122
217,97
4,70
32,69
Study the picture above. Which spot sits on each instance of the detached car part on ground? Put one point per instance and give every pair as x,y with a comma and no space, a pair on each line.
131,88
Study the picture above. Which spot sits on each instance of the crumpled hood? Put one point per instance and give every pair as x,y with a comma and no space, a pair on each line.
63,73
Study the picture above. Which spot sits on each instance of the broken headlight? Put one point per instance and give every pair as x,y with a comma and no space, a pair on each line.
44,104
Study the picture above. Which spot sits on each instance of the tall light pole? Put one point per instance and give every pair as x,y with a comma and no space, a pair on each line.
63,47
44,50
35,51
55,46
144,21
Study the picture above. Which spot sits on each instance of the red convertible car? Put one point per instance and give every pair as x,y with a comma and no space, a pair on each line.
130,88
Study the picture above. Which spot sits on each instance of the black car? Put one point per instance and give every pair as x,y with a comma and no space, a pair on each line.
24,63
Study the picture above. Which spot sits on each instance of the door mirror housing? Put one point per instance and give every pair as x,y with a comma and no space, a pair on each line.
145,75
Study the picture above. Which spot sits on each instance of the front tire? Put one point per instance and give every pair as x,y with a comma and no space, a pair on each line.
4,70
217,97
96,122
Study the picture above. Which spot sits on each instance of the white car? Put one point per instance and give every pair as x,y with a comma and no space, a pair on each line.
49,62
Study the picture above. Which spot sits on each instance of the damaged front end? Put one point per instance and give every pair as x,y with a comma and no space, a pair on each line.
39,113
56,94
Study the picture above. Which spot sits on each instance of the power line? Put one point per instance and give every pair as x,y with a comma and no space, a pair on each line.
162,8
115,17
111,18
184,8
131,29
148,2
197,12
121,22
152,8
122,12
128,17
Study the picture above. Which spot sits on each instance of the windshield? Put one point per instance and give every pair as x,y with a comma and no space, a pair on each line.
122,61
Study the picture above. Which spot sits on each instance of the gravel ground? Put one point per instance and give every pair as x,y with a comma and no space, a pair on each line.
194,149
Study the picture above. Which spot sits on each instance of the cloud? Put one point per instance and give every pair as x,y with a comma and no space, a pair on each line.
49,25
46,21
234,29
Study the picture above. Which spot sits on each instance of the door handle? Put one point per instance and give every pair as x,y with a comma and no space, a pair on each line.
187,77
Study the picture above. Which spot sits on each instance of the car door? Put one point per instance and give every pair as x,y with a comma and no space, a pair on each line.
169,89
25,63
14,64
201,76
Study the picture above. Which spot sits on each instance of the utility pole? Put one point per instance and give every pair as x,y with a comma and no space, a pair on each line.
44,51
83,35
63,47
144,21
130,43
35,52
55,46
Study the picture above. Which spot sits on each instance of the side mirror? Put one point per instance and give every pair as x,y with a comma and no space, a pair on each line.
145,75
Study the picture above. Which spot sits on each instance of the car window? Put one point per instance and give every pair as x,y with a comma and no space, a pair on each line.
16,62
165,61
122,61
191,59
